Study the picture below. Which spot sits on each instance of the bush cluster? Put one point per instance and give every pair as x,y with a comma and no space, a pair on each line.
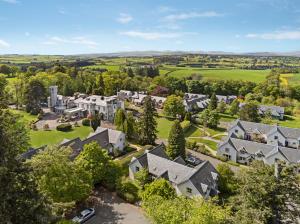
86,122
64,127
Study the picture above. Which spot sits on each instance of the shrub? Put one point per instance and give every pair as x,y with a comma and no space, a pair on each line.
128,190
64,127
86,122
34,127
46,127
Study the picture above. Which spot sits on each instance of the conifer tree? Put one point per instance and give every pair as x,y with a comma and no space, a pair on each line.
176,141
213,103
147,123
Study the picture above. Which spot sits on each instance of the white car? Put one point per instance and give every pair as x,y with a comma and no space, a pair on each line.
84,215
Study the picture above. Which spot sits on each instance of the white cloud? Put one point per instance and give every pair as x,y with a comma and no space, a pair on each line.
163,9
191,15
151,35
124,18
4,44
11,1
74,40
277,35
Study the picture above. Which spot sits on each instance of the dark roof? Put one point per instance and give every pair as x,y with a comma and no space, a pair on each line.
202,176
31,152
101,138
206,174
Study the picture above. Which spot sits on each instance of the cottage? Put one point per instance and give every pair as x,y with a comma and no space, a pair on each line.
269,134
200,180
243,151
275,111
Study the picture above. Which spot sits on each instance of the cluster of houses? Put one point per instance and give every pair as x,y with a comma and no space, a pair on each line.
81,105
200,180
248,141
276,112
192,102
108,139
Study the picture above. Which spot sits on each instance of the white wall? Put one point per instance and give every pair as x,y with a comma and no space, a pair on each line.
272,141
120,145
181,189
132,168
231,151
239,132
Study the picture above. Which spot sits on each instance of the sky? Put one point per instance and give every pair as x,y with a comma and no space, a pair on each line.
105,26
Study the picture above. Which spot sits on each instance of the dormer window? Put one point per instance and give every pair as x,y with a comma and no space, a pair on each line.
275,137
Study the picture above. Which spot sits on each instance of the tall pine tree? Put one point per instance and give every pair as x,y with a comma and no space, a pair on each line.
20,200
176,141
147,123
213,103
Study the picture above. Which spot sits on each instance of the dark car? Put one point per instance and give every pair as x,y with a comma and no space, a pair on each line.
192,160
85,215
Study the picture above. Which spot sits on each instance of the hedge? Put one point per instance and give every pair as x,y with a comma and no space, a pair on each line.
86,122
64,127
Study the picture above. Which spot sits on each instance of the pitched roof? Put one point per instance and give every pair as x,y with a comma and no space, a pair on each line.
176,171
267,129
291,155
113,135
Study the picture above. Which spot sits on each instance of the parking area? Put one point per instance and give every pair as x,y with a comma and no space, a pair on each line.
110,209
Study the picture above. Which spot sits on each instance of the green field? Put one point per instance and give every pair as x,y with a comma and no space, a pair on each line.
226,74
40,138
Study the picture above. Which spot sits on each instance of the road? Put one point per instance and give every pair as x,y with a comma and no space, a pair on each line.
212,160
110,209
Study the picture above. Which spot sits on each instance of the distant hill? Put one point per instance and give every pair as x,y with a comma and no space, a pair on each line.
161,53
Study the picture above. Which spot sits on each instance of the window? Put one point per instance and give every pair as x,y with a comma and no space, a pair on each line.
188,190
226,149
236,131
275,137
137,169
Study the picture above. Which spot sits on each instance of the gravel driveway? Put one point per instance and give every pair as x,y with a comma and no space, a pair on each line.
110,209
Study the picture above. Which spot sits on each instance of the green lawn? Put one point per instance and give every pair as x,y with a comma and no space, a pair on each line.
226,74
25,117
289,121
163,127
213,145
227,117
40,138
194,132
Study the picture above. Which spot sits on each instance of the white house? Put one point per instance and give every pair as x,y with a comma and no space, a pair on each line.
243,151
270,134
188,181
81,104
116,138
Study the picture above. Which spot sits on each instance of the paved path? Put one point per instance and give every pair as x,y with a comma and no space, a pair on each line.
212,160
110,209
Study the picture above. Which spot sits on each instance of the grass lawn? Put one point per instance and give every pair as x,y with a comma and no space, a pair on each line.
289,121
40,138
25,117
226,74
163,127
227,117
213,145
193,132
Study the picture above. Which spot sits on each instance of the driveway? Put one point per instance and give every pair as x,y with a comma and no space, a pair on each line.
110,209
212,160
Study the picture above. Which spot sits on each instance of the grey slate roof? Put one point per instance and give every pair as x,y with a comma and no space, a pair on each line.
113,135
292,155
266,129
275,110
176,171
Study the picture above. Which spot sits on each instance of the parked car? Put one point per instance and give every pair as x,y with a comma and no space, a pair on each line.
193,160
84,215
